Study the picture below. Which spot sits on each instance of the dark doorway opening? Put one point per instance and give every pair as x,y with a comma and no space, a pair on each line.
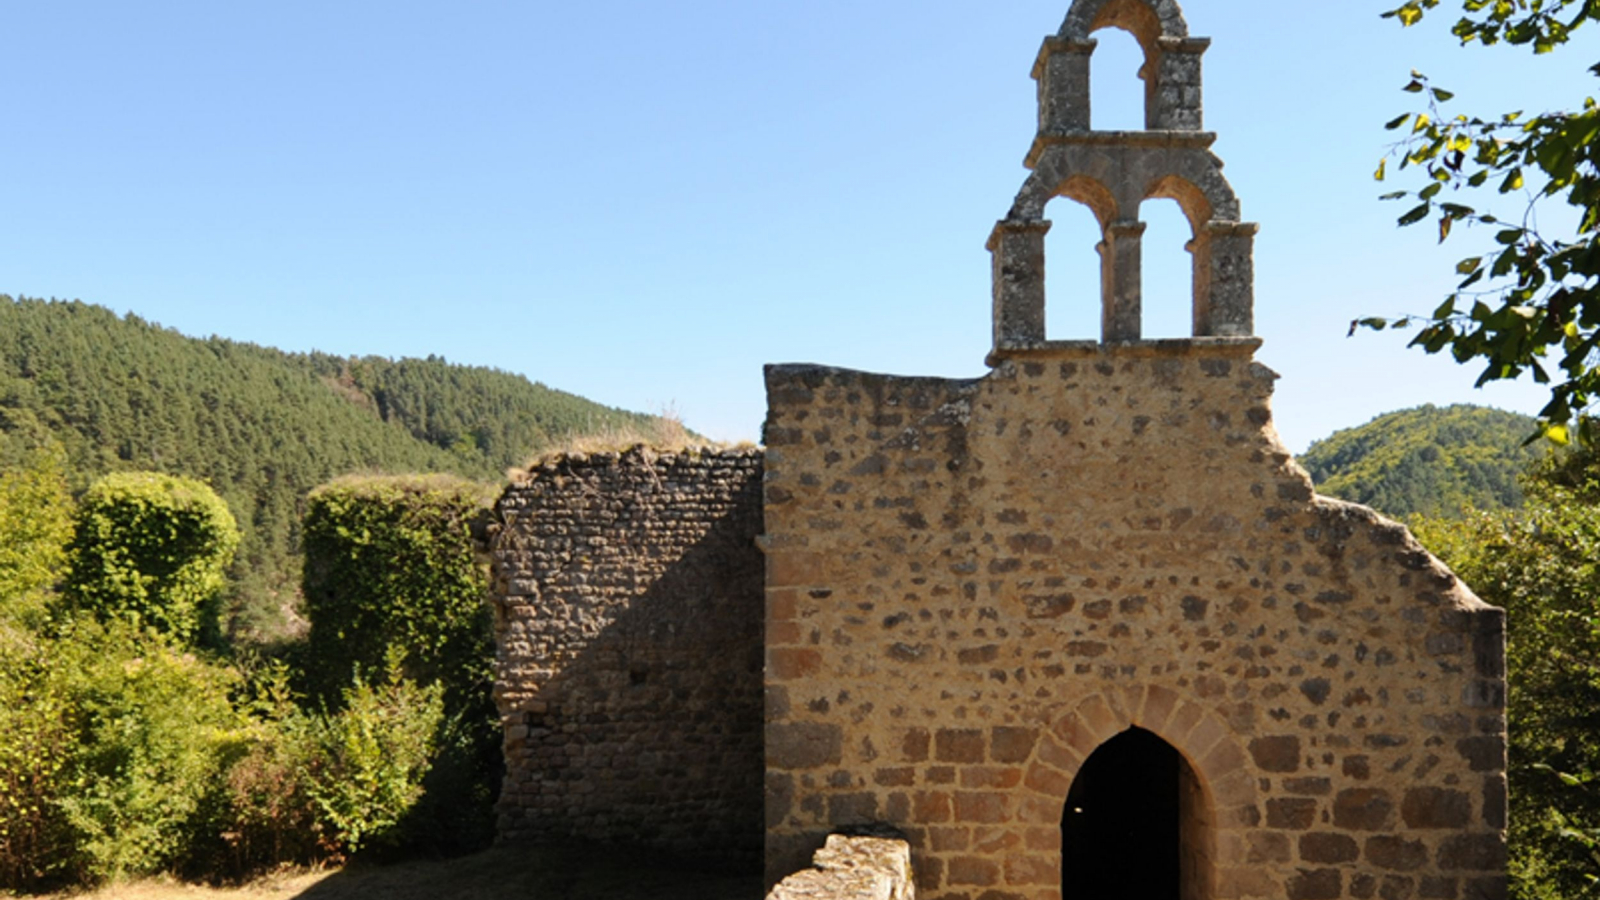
1122,829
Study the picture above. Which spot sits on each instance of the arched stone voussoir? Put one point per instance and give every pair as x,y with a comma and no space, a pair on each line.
1206,742
1086,175
1199,188
1146,20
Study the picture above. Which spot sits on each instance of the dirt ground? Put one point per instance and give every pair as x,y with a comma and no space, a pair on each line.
503,873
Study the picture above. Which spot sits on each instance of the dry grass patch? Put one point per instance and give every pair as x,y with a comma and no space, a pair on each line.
662,434
503,873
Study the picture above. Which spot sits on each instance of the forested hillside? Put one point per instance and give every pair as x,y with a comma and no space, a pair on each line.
1430,460
261,426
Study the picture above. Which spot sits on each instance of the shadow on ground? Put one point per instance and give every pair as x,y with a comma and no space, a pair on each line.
576,872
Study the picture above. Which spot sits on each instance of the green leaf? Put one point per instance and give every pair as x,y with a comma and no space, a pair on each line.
1468,266
1416,215
1396,122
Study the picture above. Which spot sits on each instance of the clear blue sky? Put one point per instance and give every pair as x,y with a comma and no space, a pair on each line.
644,202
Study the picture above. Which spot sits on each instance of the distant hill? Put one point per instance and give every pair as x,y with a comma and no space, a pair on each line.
260,425
1428,460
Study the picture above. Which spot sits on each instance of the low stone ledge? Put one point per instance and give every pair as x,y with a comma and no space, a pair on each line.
852,868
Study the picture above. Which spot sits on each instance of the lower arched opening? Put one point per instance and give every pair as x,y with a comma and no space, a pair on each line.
1136,825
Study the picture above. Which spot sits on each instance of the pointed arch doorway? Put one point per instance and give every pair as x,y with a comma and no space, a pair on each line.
1136,824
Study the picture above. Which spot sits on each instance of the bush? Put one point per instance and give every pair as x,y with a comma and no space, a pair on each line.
36,740
152,730
390,563
151,549
35,526
367,762
315,787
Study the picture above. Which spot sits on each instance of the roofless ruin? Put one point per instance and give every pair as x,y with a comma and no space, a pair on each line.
1078,628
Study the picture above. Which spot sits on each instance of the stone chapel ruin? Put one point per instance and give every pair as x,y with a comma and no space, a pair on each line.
1078,628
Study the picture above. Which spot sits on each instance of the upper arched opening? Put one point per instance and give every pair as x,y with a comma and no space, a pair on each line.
1196,206
1146,20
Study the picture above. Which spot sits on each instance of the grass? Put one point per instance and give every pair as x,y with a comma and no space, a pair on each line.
502,873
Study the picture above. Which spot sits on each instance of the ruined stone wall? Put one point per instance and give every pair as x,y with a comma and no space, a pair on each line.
628,608
971,585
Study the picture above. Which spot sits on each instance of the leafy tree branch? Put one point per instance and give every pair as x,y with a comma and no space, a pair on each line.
1528,302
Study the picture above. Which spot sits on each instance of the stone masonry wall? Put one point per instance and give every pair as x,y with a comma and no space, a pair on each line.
971,585
628,606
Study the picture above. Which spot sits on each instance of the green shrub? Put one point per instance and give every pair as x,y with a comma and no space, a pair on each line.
151,549
153,729
390,563
35,526
36,739
366,762
314,787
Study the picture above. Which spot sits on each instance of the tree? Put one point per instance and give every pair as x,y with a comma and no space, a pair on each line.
152,549
1542,564
1529,302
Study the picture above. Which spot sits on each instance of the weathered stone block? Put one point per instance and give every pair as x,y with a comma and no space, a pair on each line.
1396,853
1279,753
931,806
1484,753
803,745
1315,884
972,870
1363,809
1328,847
964,745
1296,813
1433,807
982,807
1268,846
1473,852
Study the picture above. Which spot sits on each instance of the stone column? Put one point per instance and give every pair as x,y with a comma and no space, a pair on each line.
1062,71
1120,287
1173,99
1017,254
1224,256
